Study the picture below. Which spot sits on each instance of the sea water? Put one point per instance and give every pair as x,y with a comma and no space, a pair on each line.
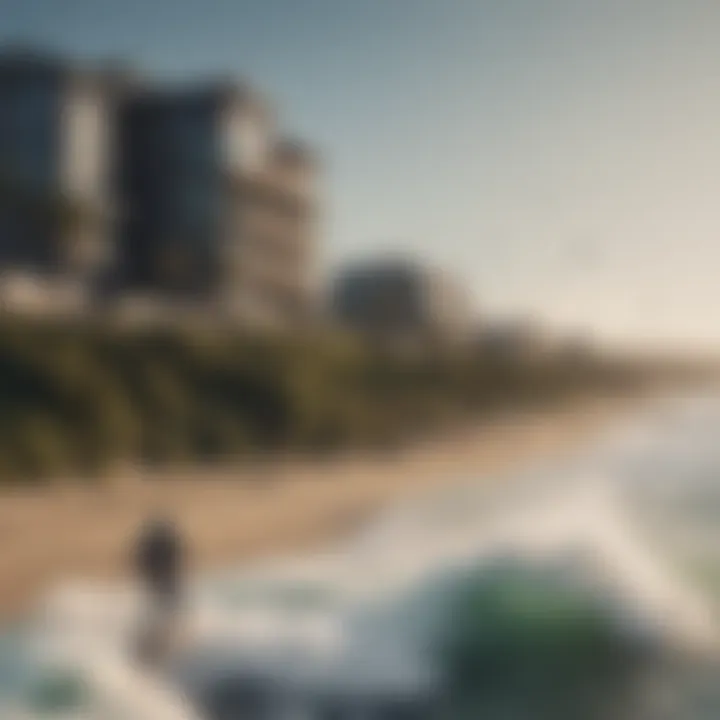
636,512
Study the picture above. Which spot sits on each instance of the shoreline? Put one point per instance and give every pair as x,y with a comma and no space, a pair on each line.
239,513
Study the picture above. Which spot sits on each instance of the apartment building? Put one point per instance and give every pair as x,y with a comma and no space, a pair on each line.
56,152
403,302
520,338
188,195
219,209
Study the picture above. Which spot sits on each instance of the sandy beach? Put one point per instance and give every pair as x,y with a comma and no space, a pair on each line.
231,514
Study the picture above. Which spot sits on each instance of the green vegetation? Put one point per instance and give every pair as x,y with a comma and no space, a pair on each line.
58,694
528,645
77,399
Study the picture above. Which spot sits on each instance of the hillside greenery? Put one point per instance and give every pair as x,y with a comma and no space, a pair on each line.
77,399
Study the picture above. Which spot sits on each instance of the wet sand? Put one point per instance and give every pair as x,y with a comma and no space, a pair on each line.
231,514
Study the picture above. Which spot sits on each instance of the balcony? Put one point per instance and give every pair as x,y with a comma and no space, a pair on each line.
274,197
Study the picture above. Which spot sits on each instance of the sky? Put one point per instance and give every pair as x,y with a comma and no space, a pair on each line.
560,157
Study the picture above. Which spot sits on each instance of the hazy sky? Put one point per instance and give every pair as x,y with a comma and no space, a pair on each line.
563,157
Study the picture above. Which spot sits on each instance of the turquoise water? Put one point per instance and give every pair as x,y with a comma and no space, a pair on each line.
13,661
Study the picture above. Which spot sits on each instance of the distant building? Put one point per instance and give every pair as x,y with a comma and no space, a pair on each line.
516,338
401,302
217,209
55,167
577,347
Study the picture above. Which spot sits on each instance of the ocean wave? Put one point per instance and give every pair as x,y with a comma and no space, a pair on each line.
633,517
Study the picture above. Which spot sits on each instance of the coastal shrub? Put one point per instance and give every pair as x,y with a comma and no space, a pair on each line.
79,397
219,434
36,448
525,644
109,427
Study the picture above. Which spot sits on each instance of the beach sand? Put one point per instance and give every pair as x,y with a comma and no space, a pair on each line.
230,514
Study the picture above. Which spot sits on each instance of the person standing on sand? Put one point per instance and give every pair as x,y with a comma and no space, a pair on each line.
159,563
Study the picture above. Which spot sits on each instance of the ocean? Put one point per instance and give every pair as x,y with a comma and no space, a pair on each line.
351,631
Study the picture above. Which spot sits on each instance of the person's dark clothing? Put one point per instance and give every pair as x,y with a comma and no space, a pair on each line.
159,561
